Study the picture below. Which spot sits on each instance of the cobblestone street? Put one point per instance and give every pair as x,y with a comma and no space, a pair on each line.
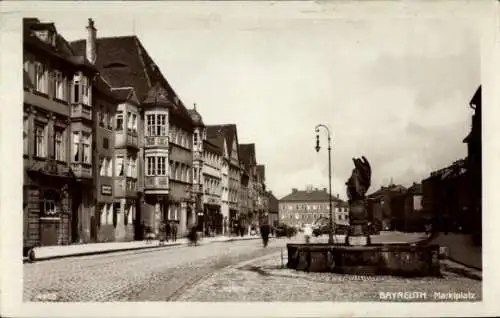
157,275
221,271
266,280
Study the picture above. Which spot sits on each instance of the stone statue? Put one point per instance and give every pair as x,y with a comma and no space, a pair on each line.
360,179
357,186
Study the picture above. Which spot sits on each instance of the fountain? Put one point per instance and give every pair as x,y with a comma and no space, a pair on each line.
357,255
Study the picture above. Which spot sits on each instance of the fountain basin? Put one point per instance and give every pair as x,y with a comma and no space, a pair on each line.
409,260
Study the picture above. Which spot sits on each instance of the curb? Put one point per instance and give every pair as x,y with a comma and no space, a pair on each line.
27,260
465,271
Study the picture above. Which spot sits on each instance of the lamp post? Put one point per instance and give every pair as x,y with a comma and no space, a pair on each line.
330,230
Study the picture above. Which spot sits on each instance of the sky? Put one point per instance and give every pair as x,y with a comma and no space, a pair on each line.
392,86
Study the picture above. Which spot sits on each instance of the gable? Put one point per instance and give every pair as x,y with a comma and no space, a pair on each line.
226,155
234,153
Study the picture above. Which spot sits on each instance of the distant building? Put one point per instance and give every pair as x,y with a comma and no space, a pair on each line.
231,164
273,208
212,221
386,206
446,197
308,206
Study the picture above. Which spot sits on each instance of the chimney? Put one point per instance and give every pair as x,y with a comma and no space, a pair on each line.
90,44
294,190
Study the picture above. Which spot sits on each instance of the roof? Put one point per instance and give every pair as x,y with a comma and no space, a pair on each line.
61,49
196,117
228,131
247,154
309,196
212,146
124,62
217,142
261,172
273,203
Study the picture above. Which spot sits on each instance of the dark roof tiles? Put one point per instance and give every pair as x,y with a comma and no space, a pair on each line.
309,196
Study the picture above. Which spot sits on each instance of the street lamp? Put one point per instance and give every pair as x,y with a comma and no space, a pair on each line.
330,230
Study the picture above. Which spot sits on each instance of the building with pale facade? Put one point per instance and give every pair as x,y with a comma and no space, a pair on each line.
308,206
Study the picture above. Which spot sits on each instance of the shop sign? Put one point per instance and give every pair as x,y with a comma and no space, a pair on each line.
106,189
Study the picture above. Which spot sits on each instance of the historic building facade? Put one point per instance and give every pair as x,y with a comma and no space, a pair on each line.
164,159
232,165
57,138
212,220
308,206
249,164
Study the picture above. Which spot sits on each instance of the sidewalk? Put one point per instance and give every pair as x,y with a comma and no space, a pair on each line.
59,251
461,249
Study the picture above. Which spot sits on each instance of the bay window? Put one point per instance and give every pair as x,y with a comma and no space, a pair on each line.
134,167
156,125
86,142
59,152
119,120
156,166
195,139
40,140
85,90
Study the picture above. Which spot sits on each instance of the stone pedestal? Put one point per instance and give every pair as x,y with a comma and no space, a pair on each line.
358,218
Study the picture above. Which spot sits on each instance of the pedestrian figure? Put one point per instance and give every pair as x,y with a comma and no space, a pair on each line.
264,232
174,231
167,230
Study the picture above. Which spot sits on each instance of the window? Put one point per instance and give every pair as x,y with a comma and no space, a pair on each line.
133,163
50,207
40,141
105,143
129,167
25,135
76,96
58,85
150,166
119,166
109,119
40,80
103,166
161,167
150,125
102,116
85,90
119,120
87,155
109,167
129,120
76,146
134,123
195,139
161,125
59,145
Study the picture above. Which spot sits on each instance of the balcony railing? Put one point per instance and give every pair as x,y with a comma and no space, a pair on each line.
126,140
81,111
156,141
82,170
156,183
